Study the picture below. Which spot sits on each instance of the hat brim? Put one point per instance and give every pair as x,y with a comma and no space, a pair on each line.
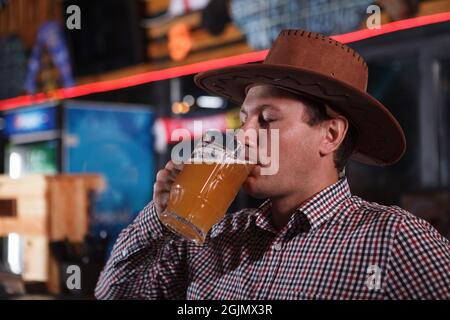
379,137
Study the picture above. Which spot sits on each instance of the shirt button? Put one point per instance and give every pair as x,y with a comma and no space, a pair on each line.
277,246
124,253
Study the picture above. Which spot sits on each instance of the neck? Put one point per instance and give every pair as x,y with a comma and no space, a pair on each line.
283,207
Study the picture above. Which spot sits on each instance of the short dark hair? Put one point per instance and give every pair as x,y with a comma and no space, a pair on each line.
316,113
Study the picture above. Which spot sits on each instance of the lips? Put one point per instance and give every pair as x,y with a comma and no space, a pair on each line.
255,171
257,161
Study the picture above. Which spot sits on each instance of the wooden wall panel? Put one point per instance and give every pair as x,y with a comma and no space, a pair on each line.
24,17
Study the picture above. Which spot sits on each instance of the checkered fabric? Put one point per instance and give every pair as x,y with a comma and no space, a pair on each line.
335,246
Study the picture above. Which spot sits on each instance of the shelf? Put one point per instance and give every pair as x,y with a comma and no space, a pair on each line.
147,73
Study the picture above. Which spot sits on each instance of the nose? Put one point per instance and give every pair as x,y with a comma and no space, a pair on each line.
249,132
248,136
251,124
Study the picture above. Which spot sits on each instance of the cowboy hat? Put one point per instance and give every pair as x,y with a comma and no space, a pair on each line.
312,64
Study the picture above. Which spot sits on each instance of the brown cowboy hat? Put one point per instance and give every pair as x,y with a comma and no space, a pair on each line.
314,65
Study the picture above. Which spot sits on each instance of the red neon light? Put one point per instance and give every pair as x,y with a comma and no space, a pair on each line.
134,80
393,27
151,76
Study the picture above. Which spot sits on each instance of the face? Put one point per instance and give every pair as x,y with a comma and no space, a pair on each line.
300,145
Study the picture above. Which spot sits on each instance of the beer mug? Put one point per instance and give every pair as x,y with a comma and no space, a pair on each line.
204,189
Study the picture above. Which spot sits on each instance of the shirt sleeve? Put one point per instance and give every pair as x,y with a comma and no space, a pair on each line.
419,265
147,262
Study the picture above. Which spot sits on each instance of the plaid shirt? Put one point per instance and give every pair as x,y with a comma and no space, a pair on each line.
335,246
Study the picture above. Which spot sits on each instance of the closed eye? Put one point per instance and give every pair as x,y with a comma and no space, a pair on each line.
264,119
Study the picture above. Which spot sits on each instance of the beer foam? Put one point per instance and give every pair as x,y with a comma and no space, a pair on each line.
218,161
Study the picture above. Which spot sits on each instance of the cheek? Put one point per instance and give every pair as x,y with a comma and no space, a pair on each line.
299,148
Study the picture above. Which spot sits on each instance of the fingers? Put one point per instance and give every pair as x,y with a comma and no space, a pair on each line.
172,166
161,202
164,180
165,176
161,186
161,191
170,172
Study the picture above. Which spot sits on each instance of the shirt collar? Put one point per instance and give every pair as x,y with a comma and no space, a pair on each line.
317,209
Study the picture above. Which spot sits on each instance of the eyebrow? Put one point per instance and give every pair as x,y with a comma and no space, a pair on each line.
260,107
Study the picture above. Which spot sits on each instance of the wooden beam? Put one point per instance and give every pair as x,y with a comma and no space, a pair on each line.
153,7
208,55
432,7
192,19
201,39
145,67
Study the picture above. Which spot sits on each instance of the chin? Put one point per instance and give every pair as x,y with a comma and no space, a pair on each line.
253,186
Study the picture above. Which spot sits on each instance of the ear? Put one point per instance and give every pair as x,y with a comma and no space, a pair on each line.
334,131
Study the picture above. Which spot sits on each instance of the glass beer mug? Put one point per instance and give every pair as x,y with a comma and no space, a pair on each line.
204,189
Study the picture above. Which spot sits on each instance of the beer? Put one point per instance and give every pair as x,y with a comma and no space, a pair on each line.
200,196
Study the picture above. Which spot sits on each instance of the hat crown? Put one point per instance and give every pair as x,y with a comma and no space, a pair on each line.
321,54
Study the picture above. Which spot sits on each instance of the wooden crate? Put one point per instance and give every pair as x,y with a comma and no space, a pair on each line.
46,209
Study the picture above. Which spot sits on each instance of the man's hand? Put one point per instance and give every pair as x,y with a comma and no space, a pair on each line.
164,181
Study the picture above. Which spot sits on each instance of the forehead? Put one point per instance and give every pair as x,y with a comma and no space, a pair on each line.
267,91
259,95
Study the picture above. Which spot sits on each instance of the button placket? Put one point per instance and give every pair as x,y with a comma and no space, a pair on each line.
277,246
277,255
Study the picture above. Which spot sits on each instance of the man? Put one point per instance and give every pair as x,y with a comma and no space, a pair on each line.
311,239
